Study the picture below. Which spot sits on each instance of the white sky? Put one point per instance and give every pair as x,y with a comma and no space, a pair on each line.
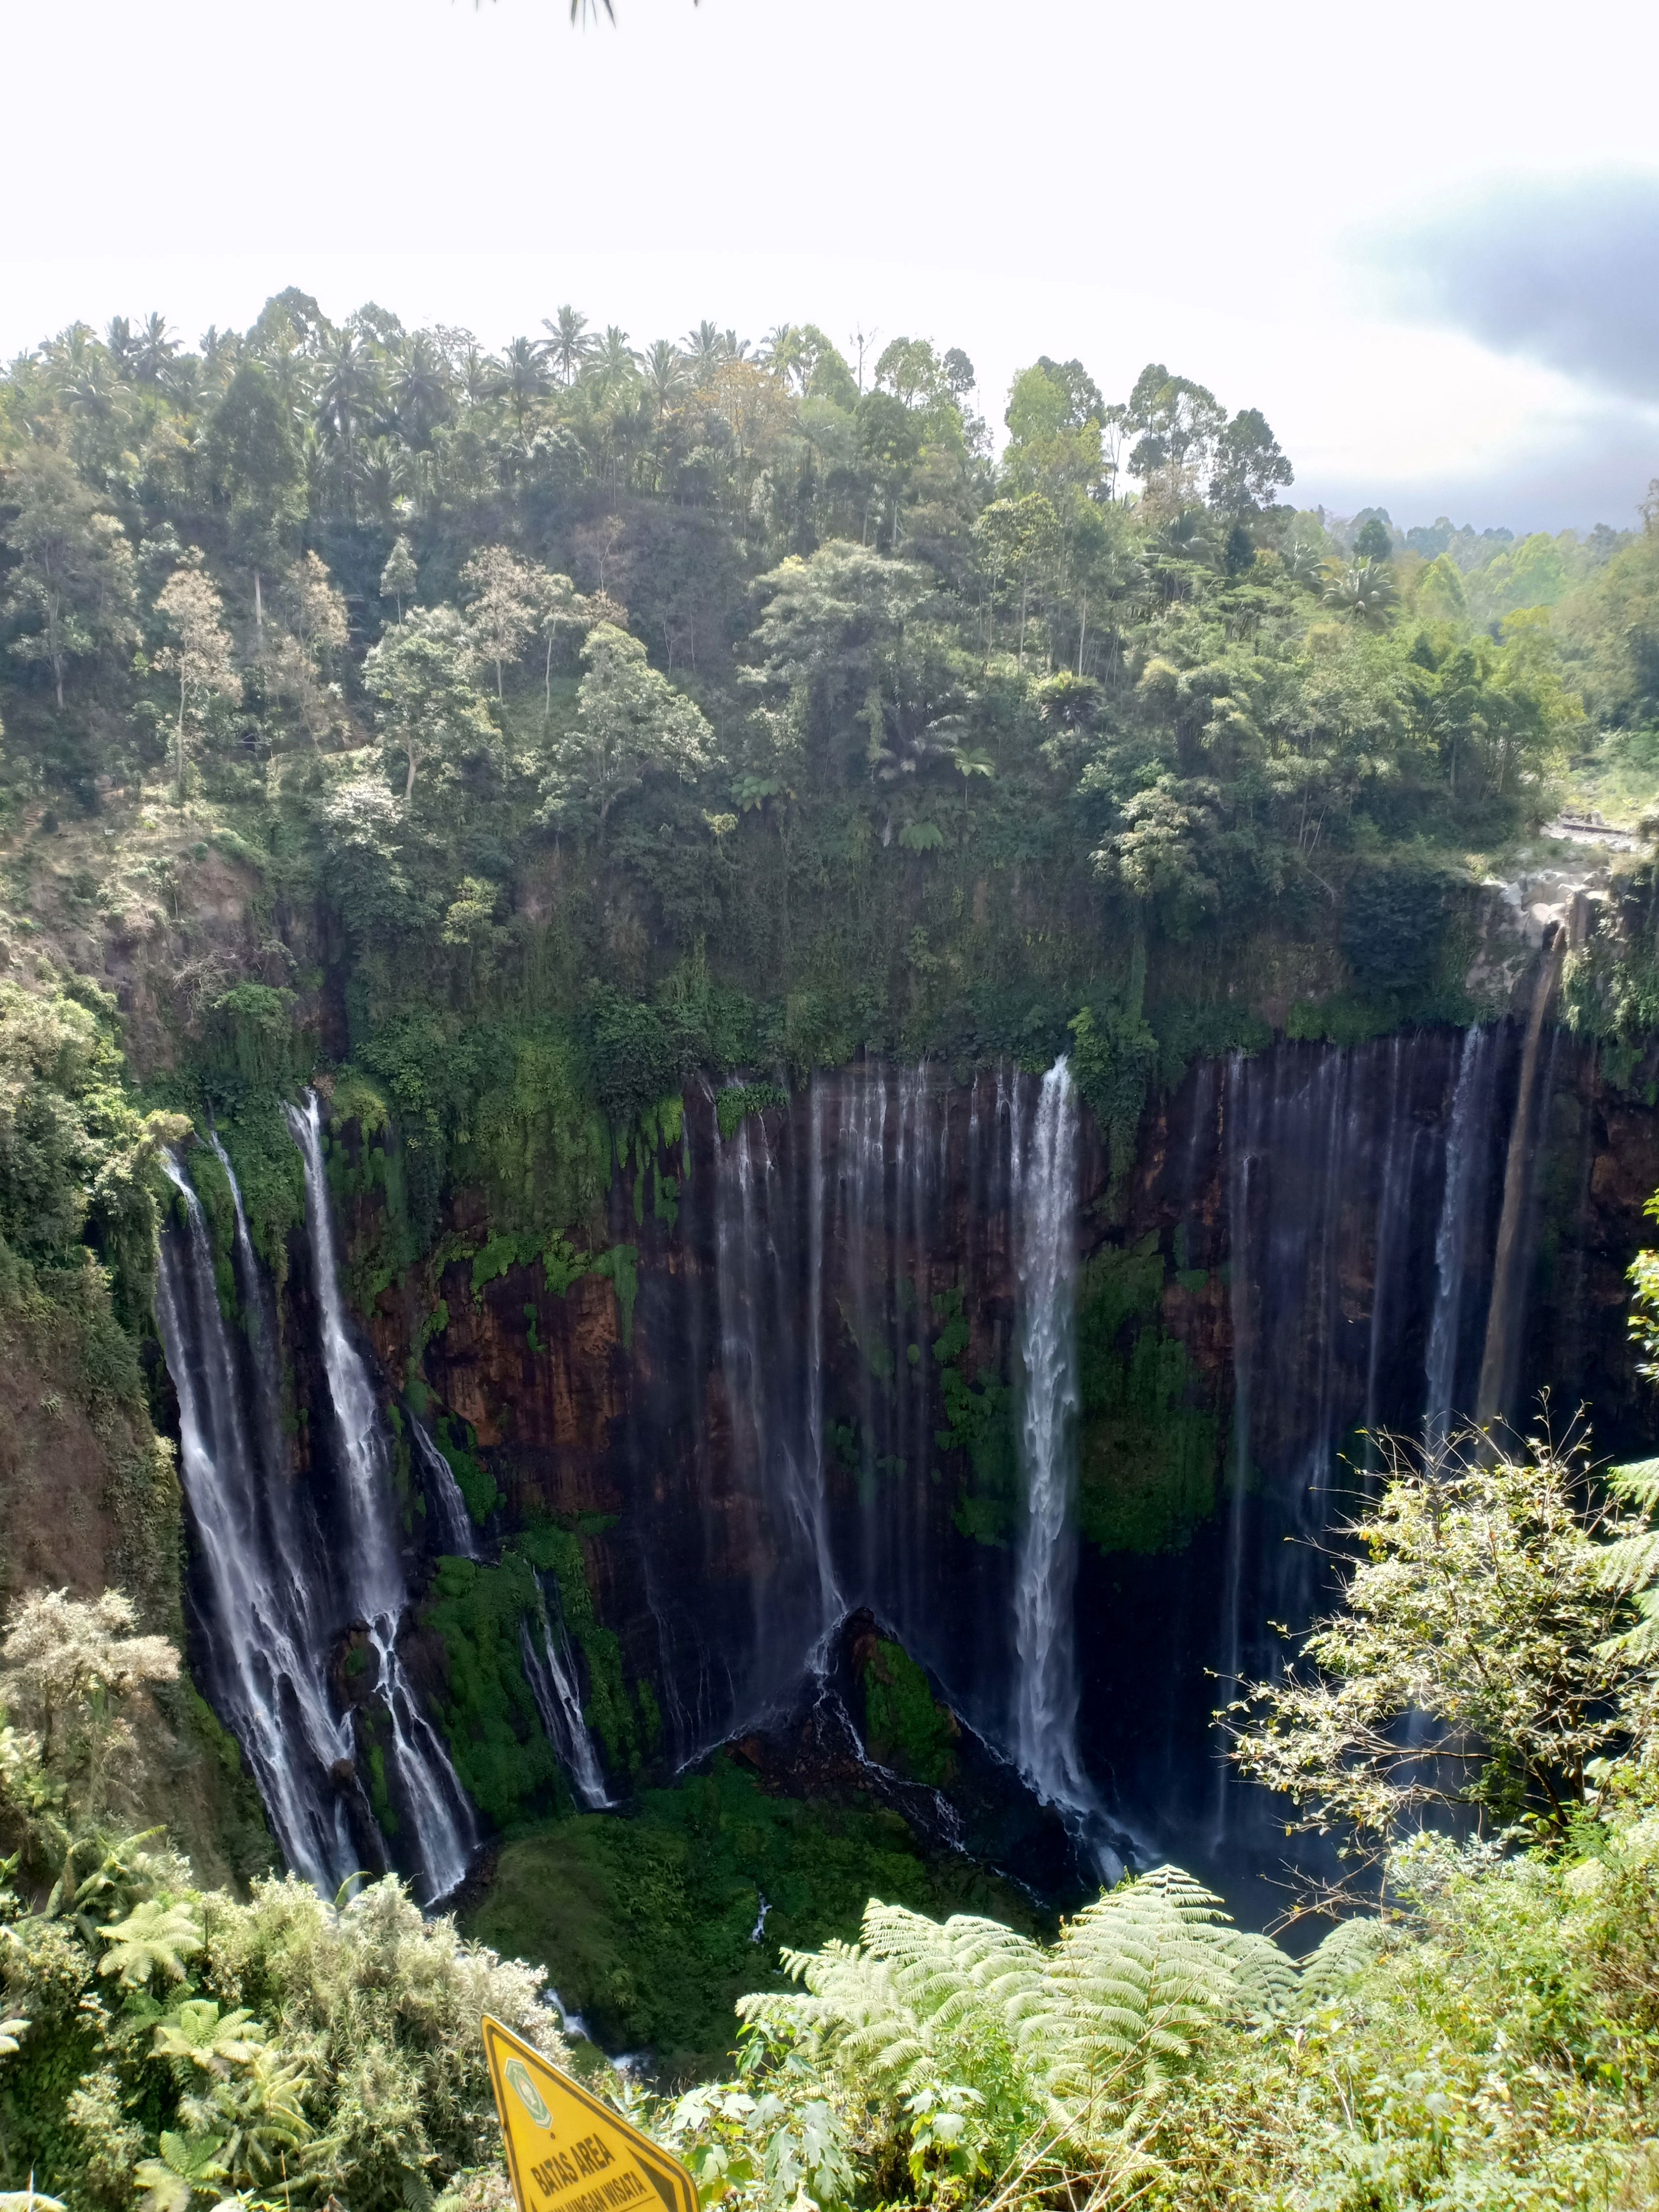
1190,184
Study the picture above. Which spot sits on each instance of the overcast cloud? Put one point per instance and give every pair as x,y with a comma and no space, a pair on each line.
1563,270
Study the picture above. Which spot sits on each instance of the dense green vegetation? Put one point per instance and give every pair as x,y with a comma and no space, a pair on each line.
1478,2035
500,740
627,712
651,1925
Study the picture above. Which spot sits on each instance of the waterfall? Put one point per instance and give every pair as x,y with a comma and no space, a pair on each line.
457,1537
1497,1359
1462,1196
1045,1208
444,1830
1327,1157
771,1383
265,1664
550,1671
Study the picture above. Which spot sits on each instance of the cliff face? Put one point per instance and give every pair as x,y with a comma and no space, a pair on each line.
793,1390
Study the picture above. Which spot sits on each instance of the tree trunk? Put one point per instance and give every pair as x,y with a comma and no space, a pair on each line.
409,781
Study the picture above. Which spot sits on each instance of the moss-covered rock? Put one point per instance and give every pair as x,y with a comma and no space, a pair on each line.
1148,1446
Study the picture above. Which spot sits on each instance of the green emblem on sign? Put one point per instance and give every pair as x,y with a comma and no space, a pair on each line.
526,2092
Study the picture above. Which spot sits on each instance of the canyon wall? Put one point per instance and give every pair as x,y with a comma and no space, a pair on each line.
790,1388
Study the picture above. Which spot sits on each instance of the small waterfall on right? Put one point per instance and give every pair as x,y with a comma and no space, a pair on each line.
1045,1230
456,1534
549,1668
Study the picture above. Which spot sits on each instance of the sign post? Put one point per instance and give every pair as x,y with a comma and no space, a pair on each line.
568,2152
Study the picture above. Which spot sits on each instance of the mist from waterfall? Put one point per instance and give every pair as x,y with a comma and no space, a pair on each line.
1045,1226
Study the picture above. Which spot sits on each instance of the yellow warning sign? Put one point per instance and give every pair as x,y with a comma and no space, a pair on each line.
567,2152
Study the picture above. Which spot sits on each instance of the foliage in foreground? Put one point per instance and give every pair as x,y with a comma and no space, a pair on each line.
1481,2037
173,2045
1485,2043
1474,1667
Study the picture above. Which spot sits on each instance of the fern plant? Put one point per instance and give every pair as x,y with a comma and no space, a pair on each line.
960,2048
1630,1564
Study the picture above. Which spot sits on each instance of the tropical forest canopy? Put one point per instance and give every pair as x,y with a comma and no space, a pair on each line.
804,689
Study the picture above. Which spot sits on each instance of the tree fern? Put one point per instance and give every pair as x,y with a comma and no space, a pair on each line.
1071,2040
1630,1563
1134,1982
1351,1946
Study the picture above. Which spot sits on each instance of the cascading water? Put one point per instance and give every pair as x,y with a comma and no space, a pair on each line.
265,1665
550,1670
457,1538
1462,1192
441,1819
853,1385
1325,1161
1045,1228
775,1424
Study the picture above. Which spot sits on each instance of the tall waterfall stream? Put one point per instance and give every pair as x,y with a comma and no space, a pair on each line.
1045,1228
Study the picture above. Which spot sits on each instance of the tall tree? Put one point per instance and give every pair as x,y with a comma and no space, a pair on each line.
1249,466
74,575
400,575
431,715
502,605
199,655
307,655
570,343
630,723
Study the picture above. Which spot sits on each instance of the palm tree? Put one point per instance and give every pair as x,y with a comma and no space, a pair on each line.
665,375
381,472
122,344
520,378
220,351
1363,592
704,350
570,343
476,376
1303,563
72,354
420,391
91,392
348,391
615,366
155,351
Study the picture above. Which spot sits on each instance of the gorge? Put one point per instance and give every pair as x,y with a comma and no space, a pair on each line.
898,1344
